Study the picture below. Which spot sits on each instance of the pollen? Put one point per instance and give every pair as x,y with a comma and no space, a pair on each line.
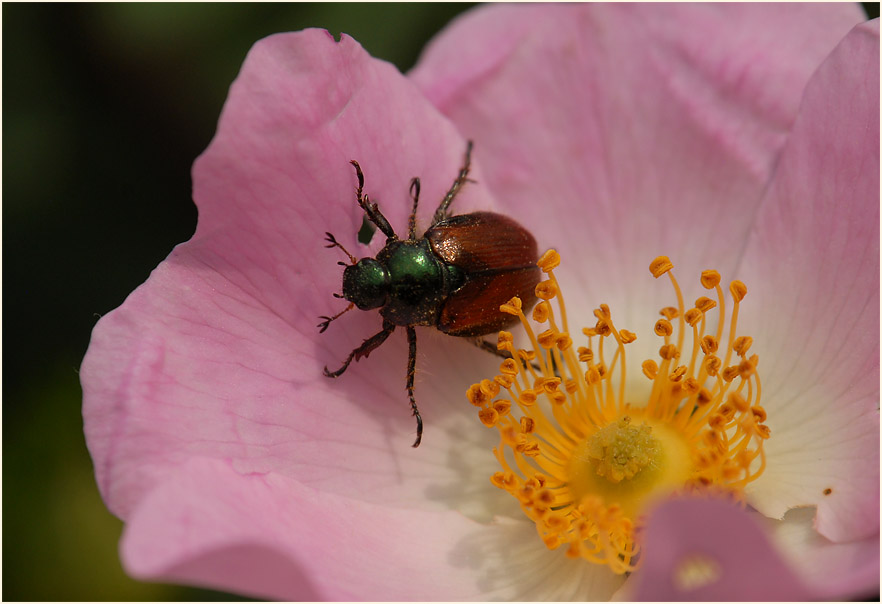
583,456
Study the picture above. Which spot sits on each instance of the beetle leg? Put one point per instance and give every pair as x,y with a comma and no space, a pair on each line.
365,349
415,194
492,349
371,209
441,212
411,368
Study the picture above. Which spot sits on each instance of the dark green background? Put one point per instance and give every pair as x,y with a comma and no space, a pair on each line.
105,107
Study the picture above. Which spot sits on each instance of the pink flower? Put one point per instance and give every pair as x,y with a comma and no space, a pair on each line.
615,133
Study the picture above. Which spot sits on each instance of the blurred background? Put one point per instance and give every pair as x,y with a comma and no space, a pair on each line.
105,107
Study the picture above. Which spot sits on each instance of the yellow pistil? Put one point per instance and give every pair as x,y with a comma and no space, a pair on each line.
582,458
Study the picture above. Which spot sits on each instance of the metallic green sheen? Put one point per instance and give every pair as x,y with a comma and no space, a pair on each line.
416,283
366,283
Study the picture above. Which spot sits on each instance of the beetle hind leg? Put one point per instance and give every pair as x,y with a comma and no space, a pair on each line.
492,349
489,347
411,368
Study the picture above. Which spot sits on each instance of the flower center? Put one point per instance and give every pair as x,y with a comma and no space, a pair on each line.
583,459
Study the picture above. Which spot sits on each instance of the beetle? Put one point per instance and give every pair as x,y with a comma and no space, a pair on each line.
454,278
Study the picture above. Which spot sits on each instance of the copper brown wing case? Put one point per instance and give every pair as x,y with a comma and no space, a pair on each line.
499,259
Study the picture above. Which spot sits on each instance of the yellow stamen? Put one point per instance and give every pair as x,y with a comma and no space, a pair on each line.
582,458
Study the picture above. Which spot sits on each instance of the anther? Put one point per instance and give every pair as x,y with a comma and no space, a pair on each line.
668,352
742,344
729,373
476,395
669,312
541,312
504,380
704,396
709,345
663,328
546,339
738,290
660,266
746,369
693,316
489,388
710,279
512,307
527,397
563,342
549,261
712,364
704,304
545,290
508,367
502,407
488,416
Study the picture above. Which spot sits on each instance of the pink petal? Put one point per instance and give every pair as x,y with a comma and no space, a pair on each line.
746,566
833,571
272,537
217,355
815,302
622,131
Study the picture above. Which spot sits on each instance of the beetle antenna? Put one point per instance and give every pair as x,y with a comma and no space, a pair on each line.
334,243
327,320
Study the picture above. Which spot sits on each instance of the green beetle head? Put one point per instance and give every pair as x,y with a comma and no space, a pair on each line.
366,283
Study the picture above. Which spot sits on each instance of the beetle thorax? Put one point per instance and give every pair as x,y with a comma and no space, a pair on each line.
418,282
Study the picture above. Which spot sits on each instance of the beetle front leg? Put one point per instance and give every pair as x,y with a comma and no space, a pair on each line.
441,212
415,194
364,350
371,209
411,369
